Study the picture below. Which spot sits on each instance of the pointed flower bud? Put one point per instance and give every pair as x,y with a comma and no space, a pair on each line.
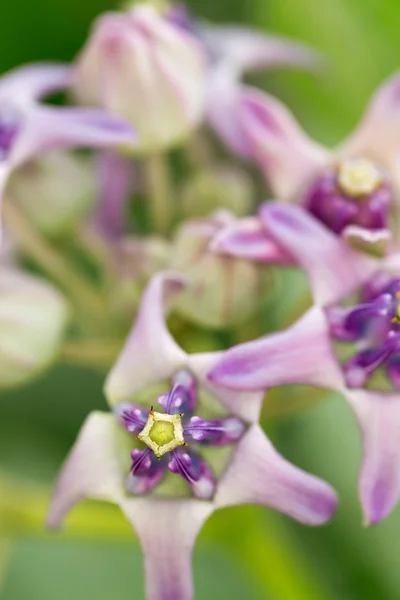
223,290
33,316
63,187
144,69
220,186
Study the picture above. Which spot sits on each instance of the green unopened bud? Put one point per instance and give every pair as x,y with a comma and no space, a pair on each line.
56,191
33,316
135,261
222,186
223,291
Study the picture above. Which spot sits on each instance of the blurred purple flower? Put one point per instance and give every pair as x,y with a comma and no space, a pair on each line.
354,189
168,523
233,51
308,352
28,128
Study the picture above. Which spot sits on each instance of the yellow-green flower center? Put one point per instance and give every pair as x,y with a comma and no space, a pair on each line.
162,433
359,177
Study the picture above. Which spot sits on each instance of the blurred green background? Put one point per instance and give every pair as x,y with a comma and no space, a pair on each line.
243,553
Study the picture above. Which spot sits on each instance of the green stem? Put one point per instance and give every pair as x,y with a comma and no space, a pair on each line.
159,188
81,293
94,353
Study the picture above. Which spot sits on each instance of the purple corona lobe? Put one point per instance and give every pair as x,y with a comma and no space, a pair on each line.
357,192
167,434
374,328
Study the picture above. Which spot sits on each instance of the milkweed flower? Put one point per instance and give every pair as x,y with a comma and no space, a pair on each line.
212,452
353,189
349,341
28,127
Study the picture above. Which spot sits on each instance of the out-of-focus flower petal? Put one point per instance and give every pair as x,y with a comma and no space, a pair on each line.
116,180
378,415
288,159
235,50
31,82
94,468
300,354
33,317
246,405
378,133
167,530
246,238
259,475
373,242
150,353
333,267
46,128
249,49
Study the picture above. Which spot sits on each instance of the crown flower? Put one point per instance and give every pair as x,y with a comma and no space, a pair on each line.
199,418
352,339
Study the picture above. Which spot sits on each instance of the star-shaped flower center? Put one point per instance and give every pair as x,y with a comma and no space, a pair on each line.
359,177
162,432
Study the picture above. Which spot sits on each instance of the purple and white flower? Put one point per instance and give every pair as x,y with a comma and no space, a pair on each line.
348,342
354,189
212,452
28,128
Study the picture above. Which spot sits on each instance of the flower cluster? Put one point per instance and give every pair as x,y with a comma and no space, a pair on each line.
123,234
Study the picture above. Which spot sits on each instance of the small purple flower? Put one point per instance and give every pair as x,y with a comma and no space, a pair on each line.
352,189
311,351
208,435
28,127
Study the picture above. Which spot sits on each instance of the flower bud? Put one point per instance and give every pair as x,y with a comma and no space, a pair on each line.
55,191
135,260
222,290
33,316
142,68
222,186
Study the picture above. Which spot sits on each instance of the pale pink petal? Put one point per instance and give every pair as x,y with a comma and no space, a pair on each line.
223,101
258,474
246,238
150,353
288,159
333,267
31,82
167,530
249,49
378,134
378,415
246,405
94,468
301,354
45,128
